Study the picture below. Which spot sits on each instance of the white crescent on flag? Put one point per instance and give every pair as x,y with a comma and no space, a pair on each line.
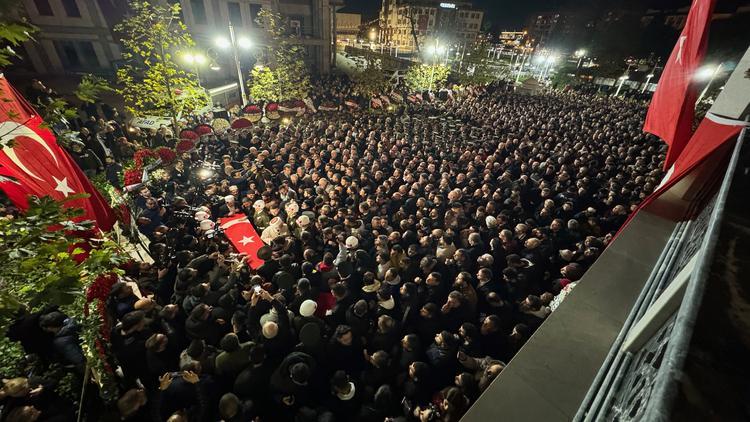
234,223
10,131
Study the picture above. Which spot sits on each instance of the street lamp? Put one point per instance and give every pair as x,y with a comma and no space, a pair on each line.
235,44
195,59
581,53
434,51
648,79
622,78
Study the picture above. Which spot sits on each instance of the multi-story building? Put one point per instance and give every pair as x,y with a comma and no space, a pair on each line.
347,26
543,27
74,36
312,21
409,24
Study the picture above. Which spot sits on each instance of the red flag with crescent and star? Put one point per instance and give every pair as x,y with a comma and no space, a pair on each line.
672,110
240,231
29,153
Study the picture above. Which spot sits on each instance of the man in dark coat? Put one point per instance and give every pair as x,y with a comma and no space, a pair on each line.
65,343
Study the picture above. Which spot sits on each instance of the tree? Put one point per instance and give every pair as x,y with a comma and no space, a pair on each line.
90,88
40,264
422,77
369,80
38,261
475,68
151,81
13,32
284,63
264,84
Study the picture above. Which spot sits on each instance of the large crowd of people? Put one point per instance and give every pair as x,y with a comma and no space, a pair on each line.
411,254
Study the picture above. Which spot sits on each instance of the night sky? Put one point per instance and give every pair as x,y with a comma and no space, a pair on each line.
513,14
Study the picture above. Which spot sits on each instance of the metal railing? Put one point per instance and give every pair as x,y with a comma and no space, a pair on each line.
641,384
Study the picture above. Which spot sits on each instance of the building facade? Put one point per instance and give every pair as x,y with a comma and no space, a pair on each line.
543,27
347,26
409,24
312,21
74,37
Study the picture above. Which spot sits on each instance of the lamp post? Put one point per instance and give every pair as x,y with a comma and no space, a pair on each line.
550,60
435,52
195,60
520,69
622,78
648,80
235,44
581,53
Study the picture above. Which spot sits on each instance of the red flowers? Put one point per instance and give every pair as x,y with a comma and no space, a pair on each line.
101,287
132,176
144,156
166,155
185,145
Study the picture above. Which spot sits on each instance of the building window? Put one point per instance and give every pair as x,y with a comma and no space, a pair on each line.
88,53
70,57
199,12
235,14
254,10
77,55
71,8
43,7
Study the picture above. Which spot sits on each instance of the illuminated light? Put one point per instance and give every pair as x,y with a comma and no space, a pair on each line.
223,43
623,77
215,67
705,72
244,42
650,75
580,53
205,173
286,120
448,5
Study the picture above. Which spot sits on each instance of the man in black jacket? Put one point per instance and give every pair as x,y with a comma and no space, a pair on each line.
65,342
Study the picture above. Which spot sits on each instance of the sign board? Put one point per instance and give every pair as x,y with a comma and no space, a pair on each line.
448,5
151,122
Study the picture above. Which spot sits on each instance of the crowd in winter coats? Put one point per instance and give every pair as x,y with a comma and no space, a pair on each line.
410,256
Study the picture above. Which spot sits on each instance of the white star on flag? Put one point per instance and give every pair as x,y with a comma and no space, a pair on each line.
62,186
245,240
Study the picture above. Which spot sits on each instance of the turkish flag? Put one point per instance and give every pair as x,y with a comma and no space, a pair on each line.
240,231
30,154
672,110
711,134
13,189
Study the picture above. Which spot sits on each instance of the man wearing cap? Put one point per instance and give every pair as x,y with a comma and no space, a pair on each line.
347,250
229,208
292,382
261,219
